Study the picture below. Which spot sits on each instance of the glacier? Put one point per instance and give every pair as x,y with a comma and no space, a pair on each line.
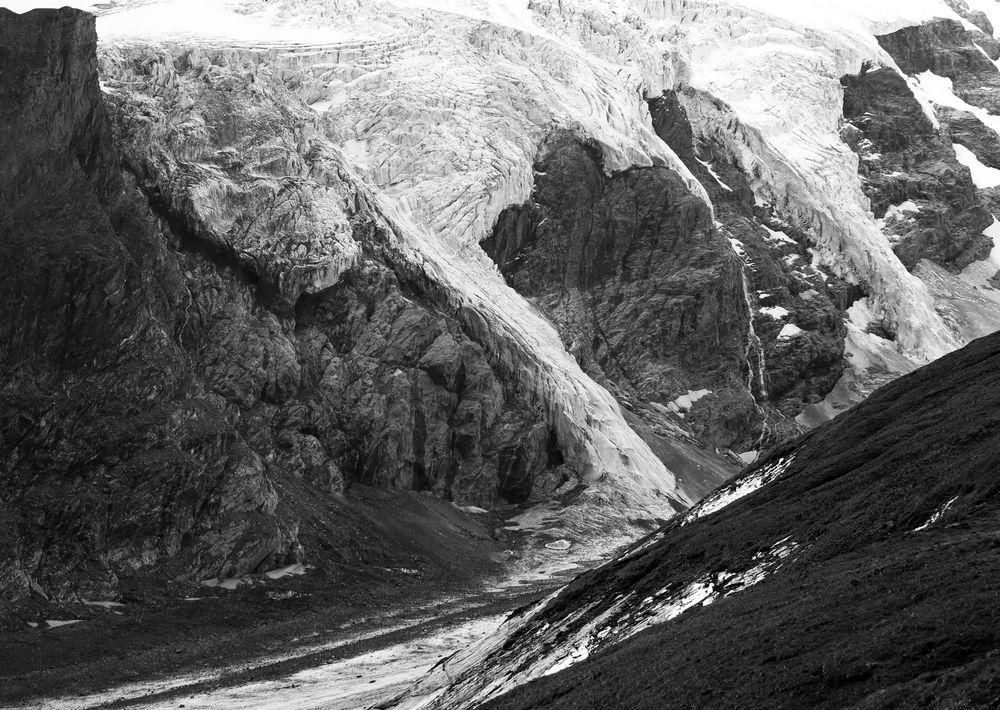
439,108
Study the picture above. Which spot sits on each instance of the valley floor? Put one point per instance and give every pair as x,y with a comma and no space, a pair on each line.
233,652
330,638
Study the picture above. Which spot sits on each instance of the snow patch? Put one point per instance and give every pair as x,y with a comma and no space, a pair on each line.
56,623
739,488
982,175
776,312
473,509
290,570
940,90
738,247
778,236
579,653
790,331
938,514
748,457
711,170
685,402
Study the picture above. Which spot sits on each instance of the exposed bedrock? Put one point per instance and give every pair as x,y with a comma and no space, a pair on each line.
976,17
114,454
929,206
188,347
657,300
644,290
796,345
966,129
948,49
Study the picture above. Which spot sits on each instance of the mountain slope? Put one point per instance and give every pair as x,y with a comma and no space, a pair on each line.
859,576
558,262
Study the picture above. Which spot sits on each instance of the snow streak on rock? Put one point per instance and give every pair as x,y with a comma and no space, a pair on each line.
575,637
739,488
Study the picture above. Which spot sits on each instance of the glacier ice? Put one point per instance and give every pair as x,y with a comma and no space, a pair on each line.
439,109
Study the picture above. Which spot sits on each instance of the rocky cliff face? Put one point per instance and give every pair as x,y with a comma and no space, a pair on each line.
669,300
927,200
646,292
179,344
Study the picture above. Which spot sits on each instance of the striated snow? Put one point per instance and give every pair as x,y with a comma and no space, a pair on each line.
937,515
982,175
503,661
739,488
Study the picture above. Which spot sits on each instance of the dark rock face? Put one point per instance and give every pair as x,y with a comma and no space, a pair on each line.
976,17
645,292
166,389
887,517
114,455
966,129
787,372
655,298
946,48
905,159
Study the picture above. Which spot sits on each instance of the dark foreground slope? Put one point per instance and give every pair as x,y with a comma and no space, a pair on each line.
884,596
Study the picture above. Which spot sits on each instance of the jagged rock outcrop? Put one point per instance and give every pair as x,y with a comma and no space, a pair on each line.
927,200
182,340
977,17
647,294
657,297
115,456
966,129
795,346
